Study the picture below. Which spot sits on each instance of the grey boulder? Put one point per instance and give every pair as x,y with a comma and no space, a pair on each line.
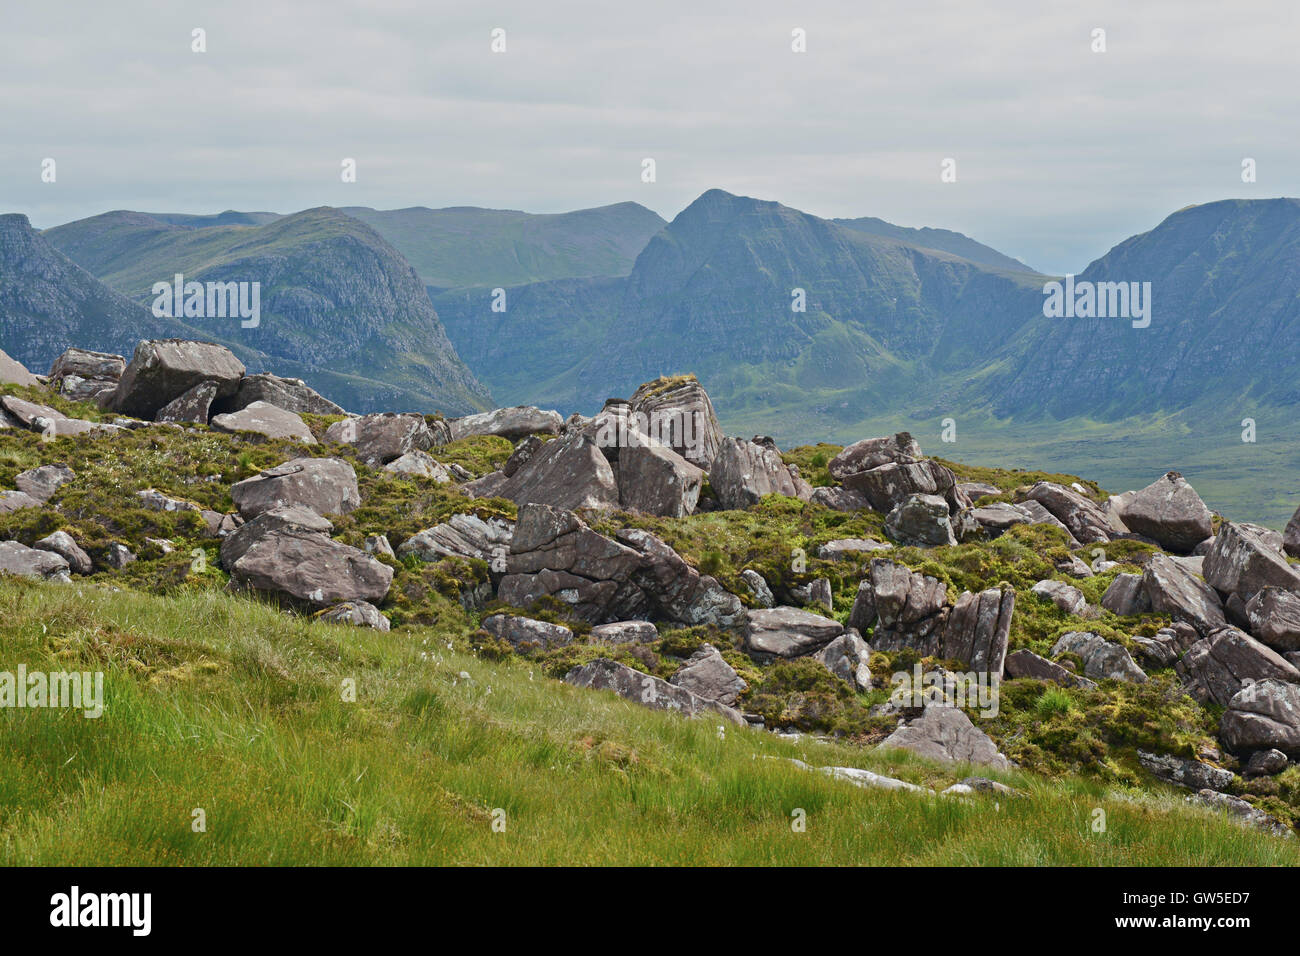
325,485
263,418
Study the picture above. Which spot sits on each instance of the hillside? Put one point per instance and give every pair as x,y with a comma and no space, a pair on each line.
467,246
339,305
945,240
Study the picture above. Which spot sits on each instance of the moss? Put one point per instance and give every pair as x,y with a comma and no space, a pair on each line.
478,454
812,462
803,694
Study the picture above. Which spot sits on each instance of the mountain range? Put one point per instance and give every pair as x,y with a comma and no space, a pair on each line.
799,326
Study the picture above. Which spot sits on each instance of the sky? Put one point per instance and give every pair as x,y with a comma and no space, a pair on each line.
1060,151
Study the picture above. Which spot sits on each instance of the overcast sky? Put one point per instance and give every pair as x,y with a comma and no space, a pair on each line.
1061,152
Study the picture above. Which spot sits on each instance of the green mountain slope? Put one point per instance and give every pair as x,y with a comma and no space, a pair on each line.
944,240
337,301
467,246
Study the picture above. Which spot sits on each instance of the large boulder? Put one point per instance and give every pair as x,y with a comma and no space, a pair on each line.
920,521
1169,511
1216,667
1185,773
20,560
655,480
30,414
978,629
677,412
675,590
1241,562
872,453
1176,591
788,631
311,567
511,423
1126,596
192,406
164,369
1263,715
263,418
291,394
292,518
705,674
901,608
1291,536
525,633
62,544
1274,617
887,471
644,689
86,376
383,436
44,481
1102,659
462,536
569,472
1085,519
328,486
744,471
1026,664
13,372
848,657
947,735
839,499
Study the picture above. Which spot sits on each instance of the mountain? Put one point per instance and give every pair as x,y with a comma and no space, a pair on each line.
338,303
467,246
945,240
713,293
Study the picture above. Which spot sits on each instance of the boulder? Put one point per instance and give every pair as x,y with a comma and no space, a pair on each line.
975,490
644,689
356,613
290,394
11,501
22,561
155,500
86,376
1241,562
420,463
117,556
1027,664
848,657
1216,667
1242,811
1265,763
844,548
1169,511
655,480
1040,515
1086,521
675,590
1175,591
744,471
193,405
13,372
625,632
788,631
525,449
295,518
705,674
887,471
1102,659
30,414
489,486
1274,618
1126,596
162,370
462,536
1263,715
920,521
839,499
977,630
999,517
569,472
383,436
378,544
900,608
311,567
677,412
1065,596
758,587
511,423
946,734
62,544
328,486
525,634
871,453
1291,536
1182,772
44,481
263,418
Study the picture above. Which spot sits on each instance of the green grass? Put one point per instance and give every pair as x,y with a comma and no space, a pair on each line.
220,703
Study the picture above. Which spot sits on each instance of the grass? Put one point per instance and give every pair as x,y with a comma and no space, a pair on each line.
219,703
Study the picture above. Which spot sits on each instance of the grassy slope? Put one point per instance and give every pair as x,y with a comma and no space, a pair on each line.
242,716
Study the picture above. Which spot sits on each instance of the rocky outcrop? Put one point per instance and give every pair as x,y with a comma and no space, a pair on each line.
44,481
647,690
162,370
705,674
887,471
744,471
1126,596
85,376
1274,617
839,499
1102,659
1263,715
1241,810
11,501
20,560
1027,664
525,633
328,486
193,406
1216,667
655,480
920,521
848,657
295,518
310,567
946,734
978,628
677,412
847,548
510,423
569,472
62,544
1181,772
463,536
1173,590
421,464
383,436
1168,511
788,631
13,372
1241,562
290,394
263,418
901,608
1086,521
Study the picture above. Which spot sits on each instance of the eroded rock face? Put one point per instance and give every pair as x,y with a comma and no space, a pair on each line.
291,394
1263,715
1173,590
569,472
946,734
978,629
191,406
1169,511
20,560
325,485
788,631
679,414
463,536
1027,664
848,657
86,376
1274,617
872,453
901,607
1216,667
1081,515
381,437
921,521
655,480
162,370
510,423
1241,562
652,692
705,674
744,471
310,567
263,418
524,633
1102,659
